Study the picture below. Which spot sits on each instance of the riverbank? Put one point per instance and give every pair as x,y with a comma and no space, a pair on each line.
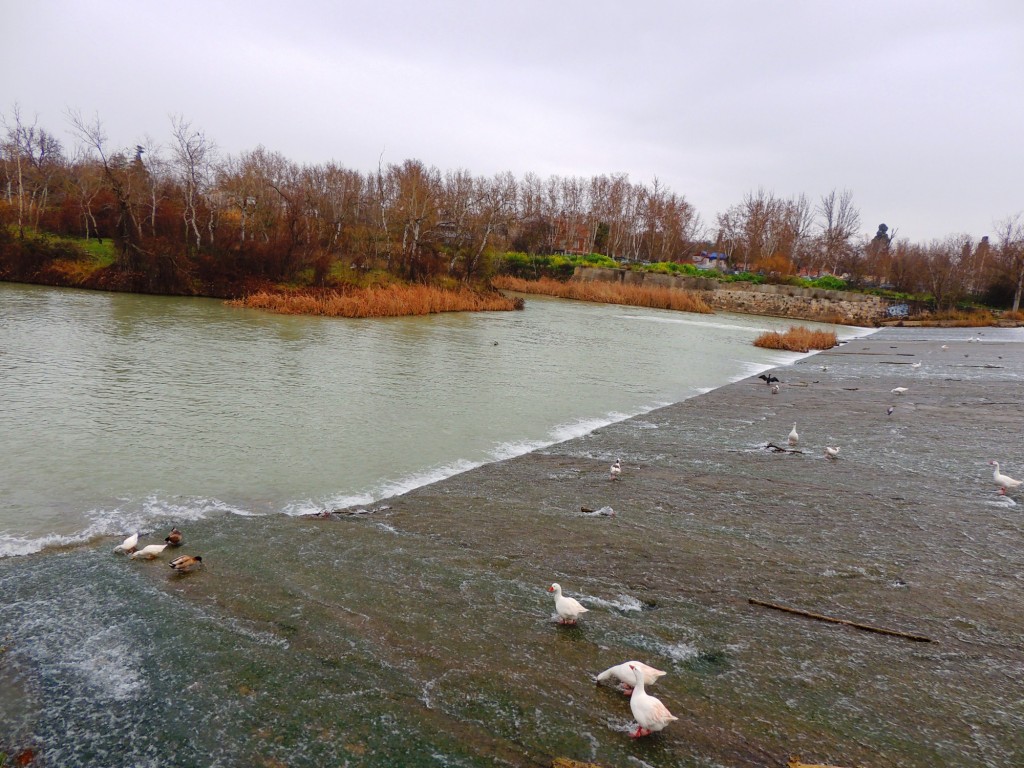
905,531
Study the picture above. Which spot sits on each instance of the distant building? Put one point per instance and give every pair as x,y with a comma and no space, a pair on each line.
710,260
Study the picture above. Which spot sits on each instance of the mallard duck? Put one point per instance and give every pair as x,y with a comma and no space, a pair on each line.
624,675
174,539
651,715
568,609
149,552
128,545
186,563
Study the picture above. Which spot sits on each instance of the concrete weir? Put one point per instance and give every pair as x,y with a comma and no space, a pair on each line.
904,530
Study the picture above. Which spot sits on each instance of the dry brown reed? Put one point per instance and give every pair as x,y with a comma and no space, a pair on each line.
797,339
958,318
657,297
383,301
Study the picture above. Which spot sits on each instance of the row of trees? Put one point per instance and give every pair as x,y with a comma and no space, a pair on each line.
184,212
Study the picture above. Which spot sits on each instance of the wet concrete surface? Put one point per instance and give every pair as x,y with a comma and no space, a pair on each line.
905,530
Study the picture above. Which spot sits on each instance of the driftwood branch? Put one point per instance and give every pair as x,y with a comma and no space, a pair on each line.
833,620
780,449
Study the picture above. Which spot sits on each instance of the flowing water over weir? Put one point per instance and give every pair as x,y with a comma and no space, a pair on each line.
416,630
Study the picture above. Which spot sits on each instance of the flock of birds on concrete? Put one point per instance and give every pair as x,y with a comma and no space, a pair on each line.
180,564
1004,482
631,677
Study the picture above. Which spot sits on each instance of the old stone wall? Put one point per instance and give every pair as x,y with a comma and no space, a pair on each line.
776,300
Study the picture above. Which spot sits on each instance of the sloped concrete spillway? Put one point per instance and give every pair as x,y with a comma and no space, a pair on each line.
418,632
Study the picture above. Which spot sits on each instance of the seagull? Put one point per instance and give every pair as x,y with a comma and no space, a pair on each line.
898,390
149,552
768,378
889,410
186,563
916,365
831,453
568,609
775,389
175,538
615,470
794,438
945,346
824,367
128,545
651,715
1005,482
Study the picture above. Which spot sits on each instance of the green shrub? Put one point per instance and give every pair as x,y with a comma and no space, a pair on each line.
828,282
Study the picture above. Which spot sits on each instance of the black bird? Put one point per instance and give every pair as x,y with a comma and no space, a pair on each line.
768,378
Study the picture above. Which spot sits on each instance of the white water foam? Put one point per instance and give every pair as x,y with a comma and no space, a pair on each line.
145,516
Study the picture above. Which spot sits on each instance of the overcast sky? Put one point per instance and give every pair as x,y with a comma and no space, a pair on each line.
917,107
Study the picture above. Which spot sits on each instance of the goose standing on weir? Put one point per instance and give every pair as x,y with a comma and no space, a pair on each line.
1005,482
793,438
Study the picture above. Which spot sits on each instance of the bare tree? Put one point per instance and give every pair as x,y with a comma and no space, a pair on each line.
193,161
839,221
1010,253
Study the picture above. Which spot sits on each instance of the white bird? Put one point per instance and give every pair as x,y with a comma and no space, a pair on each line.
1005,482
568,609
945,346
150,551
651,715
775,389
615,470
794,438
916,365
128,545
898,390
625,676
186,563
830,452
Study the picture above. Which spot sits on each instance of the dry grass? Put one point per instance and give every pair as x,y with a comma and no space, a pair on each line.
957,318
797,339
609,293
384,301
1010,316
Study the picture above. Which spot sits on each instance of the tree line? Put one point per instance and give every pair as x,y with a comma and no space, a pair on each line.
185,217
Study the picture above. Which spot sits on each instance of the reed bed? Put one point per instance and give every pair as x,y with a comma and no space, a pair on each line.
797,339
381,301
655,297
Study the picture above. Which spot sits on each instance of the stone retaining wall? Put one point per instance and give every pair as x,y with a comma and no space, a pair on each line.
776,300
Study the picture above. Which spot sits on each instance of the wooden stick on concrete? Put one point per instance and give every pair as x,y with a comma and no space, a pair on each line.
833,620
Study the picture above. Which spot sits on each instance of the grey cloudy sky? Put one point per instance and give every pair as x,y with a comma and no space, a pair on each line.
914,106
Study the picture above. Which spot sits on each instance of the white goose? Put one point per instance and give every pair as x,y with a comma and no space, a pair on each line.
615,470
651,715
128,545
794,438
568,609
626,677
831,453
1005,482
149,552
898,390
